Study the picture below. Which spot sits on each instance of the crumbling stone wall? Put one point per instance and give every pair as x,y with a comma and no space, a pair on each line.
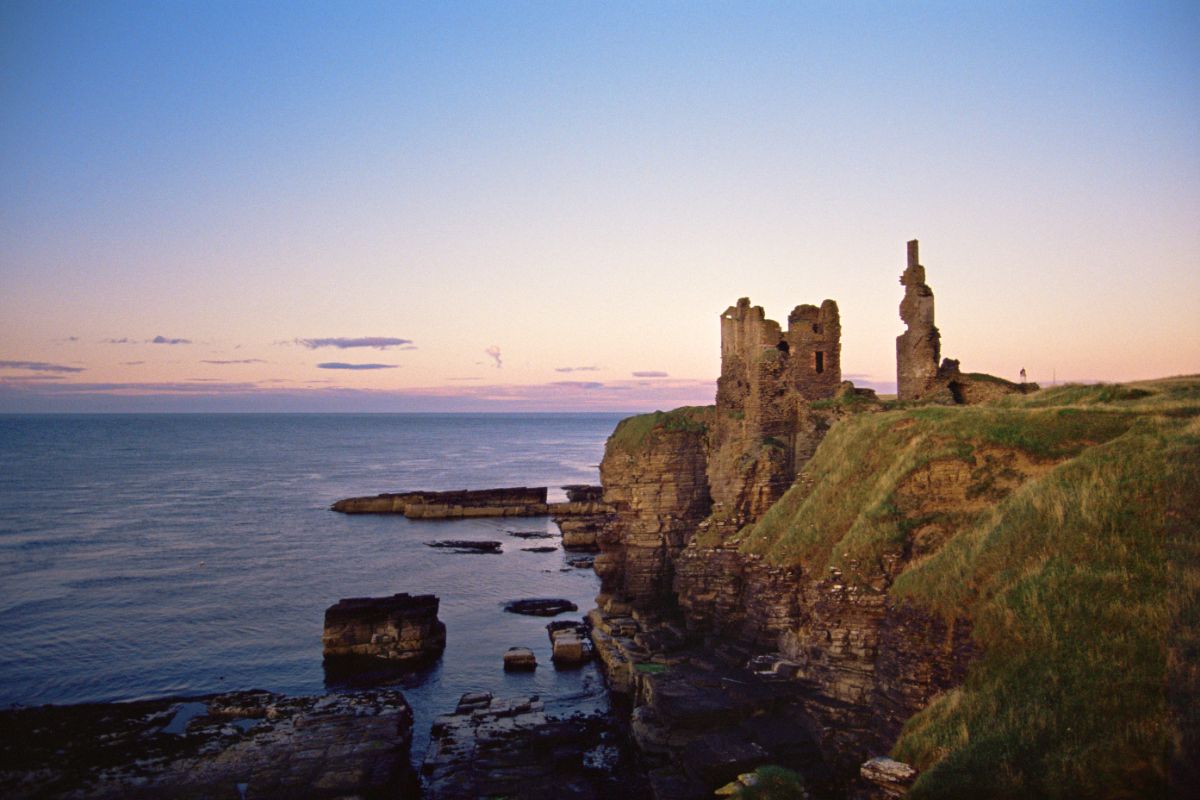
918,349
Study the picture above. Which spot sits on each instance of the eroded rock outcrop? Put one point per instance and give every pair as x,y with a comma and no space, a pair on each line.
654,477
402,629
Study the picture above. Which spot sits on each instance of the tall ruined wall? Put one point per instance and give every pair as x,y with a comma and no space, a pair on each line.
666,473
762,430
918,349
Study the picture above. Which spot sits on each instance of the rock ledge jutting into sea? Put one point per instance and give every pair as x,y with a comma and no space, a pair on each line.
518,501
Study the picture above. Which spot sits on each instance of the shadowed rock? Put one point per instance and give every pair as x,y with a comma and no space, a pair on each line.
543,607
467,546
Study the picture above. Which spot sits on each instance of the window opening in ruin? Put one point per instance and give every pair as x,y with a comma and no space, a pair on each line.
816,327
782,346
818,361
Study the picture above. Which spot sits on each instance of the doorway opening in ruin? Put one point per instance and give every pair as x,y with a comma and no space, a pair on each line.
818,361
956,391
783,346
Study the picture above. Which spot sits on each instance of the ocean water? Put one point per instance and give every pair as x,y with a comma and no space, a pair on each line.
151,555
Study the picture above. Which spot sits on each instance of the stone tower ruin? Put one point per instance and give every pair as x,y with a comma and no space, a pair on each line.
763,368
918,349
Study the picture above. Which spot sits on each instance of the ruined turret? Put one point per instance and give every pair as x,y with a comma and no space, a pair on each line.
918,349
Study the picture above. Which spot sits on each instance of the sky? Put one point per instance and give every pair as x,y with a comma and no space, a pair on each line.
529,206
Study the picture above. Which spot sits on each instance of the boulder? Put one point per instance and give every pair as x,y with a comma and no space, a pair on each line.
892,778
519,659
571,645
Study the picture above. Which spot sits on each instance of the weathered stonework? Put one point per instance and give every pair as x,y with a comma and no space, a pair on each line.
918,349
402,629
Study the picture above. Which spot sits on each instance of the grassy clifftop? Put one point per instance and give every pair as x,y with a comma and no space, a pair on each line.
1066,526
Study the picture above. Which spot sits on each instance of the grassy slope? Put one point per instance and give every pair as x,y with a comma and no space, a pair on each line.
1082,583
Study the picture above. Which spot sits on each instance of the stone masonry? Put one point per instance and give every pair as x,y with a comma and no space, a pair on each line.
918,349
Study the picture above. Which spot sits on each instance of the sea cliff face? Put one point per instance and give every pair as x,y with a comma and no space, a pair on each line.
930,580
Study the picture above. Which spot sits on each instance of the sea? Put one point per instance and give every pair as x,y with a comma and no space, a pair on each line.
145,556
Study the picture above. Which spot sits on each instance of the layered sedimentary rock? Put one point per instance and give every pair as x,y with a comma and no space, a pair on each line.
654,477
519,501
402,629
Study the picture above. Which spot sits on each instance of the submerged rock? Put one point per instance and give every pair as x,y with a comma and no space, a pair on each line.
544,607
467,546
539,549
531,534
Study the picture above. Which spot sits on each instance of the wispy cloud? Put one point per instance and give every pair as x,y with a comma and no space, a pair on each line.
650,373
40,392
344,365
132,363
156,340
579,384
39,366
576,369
469,378
494,352
344,342
233,361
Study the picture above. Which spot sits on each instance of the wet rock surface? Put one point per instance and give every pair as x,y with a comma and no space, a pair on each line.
702,714
510,748
467,546
546,549
247,744
540,607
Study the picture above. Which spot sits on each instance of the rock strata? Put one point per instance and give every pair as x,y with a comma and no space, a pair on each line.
402,629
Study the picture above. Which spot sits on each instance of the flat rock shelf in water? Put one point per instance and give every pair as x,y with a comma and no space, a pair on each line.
540,607
252,744
467,546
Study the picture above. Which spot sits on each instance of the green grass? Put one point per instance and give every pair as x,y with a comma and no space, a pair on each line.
1082,581
633,434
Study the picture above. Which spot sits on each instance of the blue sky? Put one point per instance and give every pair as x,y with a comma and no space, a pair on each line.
581,185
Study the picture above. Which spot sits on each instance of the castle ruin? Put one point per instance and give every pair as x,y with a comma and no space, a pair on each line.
918,349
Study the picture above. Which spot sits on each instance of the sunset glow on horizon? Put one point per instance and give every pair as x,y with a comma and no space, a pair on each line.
536,206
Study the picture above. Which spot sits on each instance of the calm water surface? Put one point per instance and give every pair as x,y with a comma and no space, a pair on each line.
151,555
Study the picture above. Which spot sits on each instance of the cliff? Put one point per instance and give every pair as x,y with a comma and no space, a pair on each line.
997,594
